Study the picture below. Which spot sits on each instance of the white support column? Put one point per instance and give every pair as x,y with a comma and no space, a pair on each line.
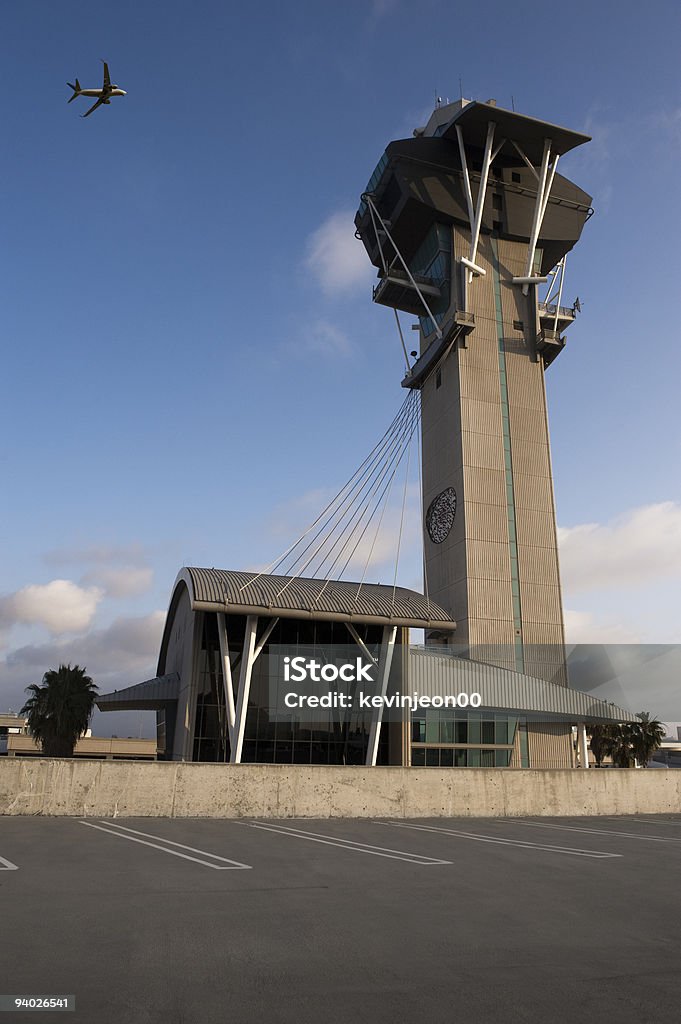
245,672
539,202
477,223
583,745
226,674
384,663
546,176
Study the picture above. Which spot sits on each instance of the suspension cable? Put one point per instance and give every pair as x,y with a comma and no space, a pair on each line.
404,502
373,484
367,524
329,524
273,565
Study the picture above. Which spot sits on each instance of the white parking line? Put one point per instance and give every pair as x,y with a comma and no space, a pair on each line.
501,842
225,865
643,821
590,831
6,865
348,844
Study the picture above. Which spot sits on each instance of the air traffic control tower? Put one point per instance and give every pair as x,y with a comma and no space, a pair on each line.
464,222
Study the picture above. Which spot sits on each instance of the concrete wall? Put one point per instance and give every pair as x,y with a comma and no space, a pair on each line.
109,788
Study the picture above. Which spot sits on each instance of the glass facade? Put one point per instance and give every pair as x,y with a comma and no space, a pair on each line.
210,726
338,738
374,180
433,259
449,739
453,757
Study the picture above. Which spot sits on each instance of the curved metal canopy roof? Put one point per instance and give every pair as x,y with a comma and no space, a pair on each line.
249,593
434,672
150,695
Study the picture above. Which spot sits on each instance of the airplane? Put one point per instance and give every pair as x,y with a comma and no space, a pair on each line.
104,94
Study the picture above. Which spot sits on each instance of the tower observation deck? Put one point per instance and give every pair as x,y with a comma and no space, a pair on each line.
464,222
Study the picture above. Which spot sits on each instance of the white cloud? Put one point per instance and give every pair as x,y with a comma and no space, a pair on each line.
120,647
61,606
121,654
98,554
585,628
124,582
667,124
119,570
641,546
336,258
323,338
375,553
379,8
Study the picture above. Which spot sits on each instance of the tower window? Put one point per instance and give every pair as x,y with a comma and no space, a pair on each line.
518,325
497,202
497,225
515,176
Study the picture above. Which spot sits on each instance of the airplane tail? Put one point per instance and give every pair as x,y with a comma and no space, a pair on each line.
76,89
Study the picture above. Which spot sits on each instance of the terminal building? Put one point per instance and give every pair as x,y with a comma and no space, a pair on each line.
464,222
16,741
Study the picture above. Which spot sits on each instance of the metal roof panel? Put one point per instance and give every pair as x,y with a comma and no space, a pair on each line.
291,597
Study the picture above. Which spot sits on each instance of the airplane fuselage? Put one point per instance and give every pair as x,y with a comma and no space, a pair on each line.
102,92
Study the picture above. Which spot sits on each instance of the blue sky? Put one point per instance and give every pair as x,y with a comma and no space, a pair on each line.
191,358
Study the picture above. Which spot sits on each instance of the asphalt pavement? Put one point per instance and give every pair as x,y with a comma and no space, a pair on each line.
336,921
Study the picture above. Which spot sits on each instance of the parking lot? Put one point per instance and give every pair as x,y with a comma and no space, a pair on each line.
309,920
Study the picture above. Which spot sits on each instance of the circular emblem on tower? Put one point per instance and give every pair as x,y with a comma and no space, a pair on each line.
440,515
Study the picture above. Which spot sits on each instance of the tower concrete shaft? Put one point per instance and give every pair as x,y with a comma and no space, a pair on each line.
485,435
464,222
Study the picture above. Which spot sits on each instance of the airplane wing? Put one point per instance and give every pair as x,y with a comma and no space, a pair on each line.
107,79
93,107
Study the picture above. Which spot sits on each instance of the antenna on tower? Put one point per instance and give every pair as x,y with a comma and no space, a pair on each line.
460,89
512,103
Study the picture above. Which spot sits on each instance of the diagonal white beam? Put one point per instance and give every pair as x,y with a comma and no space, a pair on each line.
484,175
539,202
378,238
407,271
244,689
264,638
560,291
546,176
547,190
360,643
466,177
384,663
527,161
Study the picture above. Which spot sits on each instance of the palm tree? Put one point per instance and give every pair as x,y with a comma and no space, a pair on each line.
646,737
622,745
60,709
601,742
